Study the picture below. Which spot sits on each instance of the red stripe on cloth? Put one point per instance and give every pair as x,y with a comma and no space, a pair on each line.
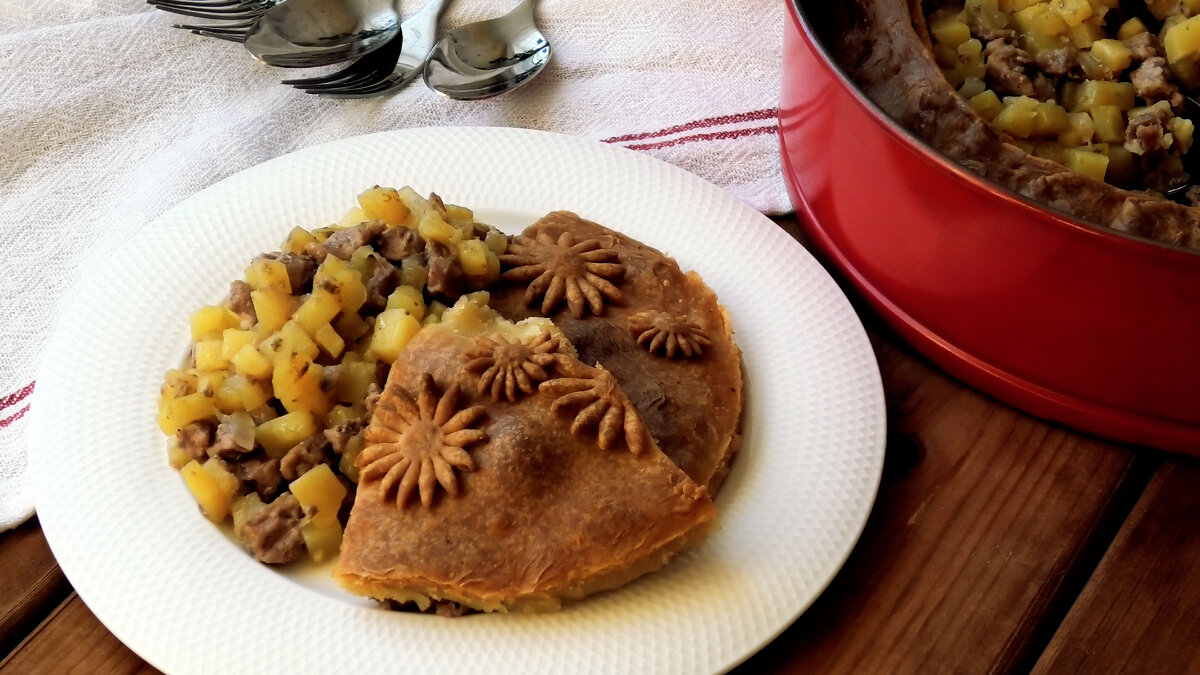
714,136
752,116
14,417
17,396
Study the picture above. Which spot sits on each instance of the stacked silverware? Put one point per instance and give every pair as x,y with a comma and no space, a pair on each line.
385,54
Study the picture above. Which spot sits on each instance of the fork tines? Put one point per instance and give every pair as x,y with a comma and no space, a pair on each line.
365,75
225,11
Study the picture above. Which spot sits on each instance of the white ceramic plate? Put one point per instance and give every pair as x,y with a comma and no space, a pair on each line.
184,597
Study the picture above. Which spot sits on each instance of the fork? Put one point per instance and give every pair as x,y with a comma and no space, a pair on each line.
394,66
387,70
219,10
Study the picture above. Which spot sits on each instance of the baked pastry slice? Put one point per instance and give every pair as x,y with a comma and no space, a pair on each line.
501,473
631,309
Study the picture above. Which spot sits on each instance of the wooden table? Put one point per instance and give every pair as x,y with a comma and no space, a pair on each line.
998,543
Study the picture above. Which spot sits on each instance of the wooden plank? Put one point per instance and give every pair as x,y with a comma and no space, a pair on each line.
72,640
987,523
1140,611
31,586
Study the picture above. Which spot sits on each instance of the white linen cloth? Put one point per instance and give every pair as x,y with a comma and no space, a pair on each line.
108,116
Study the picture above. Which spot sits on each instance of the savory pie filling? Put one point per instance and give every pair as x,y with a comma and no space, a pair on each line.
1097,86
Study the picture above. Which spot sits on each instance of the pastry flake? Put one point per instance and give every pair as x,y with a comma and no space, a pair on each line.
669,333
600,403
507,368
581,272
415,445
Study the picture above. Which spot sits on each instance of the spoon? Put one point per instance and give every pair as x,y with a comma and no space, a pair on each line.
308,33
489,57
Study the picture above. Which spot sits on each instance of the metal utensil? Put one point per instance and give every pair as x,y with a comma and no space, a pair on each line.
219,10
307,33
487,58
374,75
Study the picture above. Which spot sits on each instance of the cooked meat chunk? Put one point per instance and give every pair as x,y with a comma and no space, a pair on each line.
303,456
1151,81
226,445
445,276
1005,34
261,472
1144,133
344,243
398,243
241,303
384,279
1058,62
1192,195
273,534
1007,68
196,438
300,269
340,435
374,391
1143,46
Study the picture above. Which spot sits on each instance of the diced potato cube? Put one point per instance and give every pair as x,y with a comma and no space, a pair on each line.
263,274
319,488
329,340
971,86
1086,33
432,227
987,105
1049,119
322,539
297,239
293,340
209,321
1183,130
1072,12
243,509
409,299
272,307
1091,164
212,486
355,378
178,383
1182,40
1016,5
393,329
355,216
177,413
233,339
1122,168
970,58
416,204
949,28
177,457
1113,54
279,435
318,309
459,216
1110,123
344,413
413,273
1161,8
472,255
251,363
238,392
297,384
1187,72
1092,93
1039,19
346,464
1017,117
380,203
1080,130
496,241
1130,28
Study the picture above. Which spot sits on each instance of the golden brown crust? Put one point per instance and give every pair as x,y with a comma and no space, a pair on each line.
691,406
543,517
878,43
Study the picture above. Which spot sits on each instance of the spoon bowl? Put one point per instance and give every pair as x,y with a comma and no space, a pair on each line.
308,33
488,58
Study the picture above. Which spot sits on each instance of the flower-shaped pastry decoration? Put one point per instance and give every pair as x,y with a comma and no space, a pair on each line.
414,445
580,272
599,403
507,368
669,333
